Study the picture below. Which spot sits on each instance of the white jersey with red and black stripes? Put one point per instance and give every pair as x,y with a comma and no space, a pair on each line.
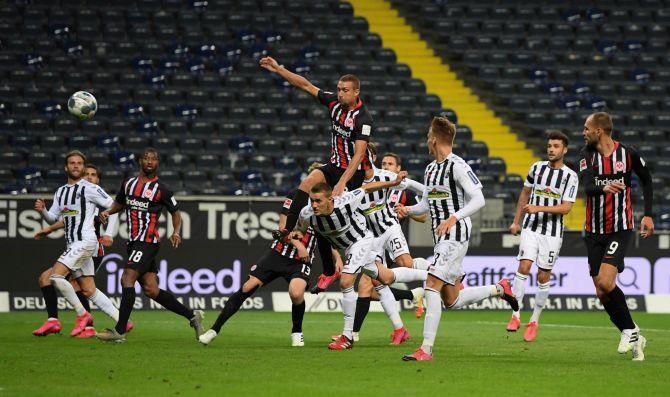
144,201
347,127
611,212
308,240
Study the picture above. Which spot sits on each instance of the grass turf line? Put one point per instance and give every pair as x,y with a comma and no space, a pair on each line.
575,354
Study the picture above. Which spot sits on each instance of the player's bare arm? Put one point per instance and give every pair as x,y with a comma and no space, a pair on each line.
419,218
524,196
296,80
374,186
49,229
359,151
175,239
562,209
115,208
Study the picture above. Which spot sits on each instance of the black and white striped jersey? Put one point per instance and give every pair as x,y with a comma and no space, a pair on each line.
76,204
345,225
308,240
446,186
550,188
377,206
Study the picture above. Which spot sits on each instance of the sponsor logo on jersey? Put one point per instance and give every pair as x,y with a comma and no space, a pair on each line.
582,165
606,181
619,166
547,192
287,203
147,194
341,131
137,204
373,208
395,198
68,212
435,194
349,123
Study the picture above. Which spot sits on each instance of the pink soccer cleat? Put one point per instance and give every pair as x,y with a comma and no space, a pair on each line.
514,324
418,355
508,295
49,327
88,332
531,332
82,322
399,336
342,343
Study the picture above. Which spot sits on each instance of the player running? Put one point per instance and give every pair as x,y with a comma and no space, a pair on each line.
351,127
548,194
452,194
606,169
144,198
83,284
293,262
76,203
341,221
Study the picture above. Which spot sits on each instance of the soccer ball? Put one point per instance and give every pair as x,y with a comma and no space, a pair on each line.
82,105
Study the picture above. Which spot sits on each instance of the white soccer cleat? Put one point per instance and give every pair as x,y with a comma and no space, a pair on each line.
207,337
355,336
297,339
625,344
638,348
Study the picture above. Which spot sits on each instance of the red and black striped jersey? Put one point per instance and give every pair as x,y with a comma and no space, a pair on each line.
347,127
144,201
608,212
308,239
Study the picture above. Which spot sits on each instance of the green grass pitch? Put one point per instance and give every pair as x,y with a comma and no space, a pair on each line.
574,354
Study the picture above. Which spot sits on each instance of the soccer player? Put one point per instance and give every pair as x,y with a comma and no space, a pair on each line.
606,169
452,194
351,127
76,203
340,220
83,284
548,193
144,198
292,261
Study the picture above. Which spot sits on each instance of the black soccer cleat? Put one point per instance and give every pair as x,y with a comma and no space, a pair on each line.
508,295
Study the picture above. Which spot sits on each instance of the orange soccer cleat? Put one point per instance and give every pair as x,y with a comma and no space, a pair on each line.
514,324
342,343
418,355
531,332
82,322
399,336
51,326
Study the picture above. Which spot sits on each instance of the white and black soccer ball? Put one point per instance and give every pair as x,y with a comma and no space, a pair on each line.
82,105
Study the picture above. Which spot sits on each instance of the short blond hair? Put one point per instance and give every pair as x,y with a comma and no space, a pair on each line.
314,166
603,120
444,129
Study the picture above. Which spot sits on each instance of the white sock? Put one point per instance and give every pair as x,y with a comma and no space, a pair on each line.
349,310
468,296
103,303
406,275
65,288
519,289
420,264
433,304
540,300
390,306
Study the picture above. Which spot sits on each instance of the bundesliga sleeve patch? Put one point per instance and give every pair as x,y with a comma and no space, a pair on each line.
582,165
366,130
174,201
287,203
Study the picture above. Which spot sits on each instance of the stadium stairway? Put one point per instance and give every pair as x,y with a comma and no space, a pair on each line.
396,34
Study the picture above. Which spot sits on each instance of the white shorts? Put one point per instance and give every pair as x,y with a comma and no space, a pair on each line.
540,249
78,257
448,261
392,241
359,257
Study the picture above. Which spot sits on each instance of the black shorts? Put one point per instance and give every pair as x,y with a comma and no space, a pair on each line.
333,174
142,256
607,248
274,265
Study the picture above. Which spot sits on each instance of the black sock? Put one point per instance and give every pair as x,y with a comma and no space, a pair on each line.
325,250
399,294
362,309
127,302
232,306
299,201
297,314
84,301
168,301
50,300
609,308
620,315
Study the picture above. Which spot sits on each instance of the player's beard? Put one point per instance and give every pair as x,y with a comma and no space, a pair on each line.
74,175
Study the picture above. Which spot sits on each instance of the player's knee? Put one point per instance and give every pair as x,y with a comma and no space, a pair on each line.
346,283
297,295
43,279
605,286
150,290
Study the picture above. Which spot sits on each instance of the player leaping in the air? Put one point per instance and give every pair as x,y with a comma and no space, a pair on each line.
548,193
452,194
351,127
606,170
